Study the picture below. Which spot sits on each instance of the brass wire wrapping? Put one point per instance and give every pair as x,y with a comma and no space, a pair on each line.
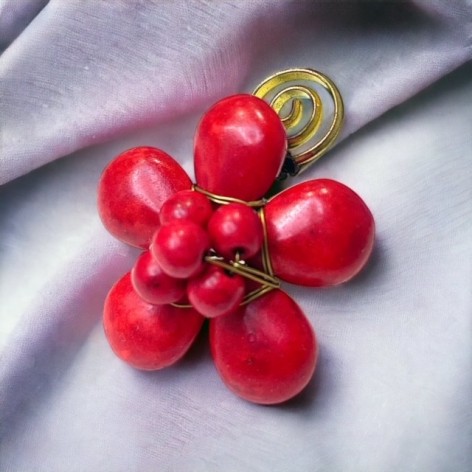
266,260
222,200
264,277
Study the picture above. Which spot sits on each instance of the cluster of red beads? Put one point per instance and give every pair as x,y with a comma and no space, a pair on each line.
174,269
318,233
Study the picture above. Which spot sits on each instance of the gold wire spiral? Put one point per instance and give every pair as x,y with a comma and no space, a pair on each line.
293,89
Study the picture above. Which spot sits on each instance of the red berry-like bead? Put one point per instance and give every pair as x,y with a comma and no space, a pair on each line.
240,146
266,351
236,228
319,232
179,248
216,292
146,336
186,205
153,284
133,187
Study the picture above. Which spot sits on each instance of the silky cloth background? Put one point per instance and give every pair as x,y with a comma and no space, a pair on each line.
81,81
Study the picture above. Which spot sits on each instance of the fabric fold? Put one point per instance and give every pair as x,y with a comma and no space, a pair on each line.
15,16
81,81
66,91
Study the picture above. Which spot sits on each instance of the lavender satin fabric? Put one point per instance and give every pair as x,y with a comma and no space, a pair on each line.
81,81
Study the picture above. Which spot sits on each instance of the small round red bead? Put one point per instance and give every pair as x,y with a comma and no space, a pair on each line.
179,248
186,205
153,284
216,292
236,228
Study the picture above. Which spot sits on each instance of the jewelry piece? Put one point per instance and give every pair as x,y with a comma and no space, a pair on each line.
220,248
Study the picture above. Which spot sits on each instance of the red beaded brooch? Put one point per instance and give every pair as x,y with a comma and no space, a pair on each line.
219,248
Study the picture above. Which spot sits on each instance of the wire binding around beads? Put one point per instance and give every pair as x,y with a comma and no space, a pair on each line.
222,200
265,277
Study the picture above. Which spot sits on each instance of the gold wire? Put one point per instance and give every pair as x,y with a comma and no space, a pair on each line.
267,282
294,117
181,305
244,270
298,139
266,260
295,94
255,294
264,277
221,200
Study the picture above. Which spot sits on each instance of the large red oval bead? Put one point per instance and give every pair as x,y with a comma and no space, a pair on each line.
320,233
240,146
133,188
148,337
265,352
